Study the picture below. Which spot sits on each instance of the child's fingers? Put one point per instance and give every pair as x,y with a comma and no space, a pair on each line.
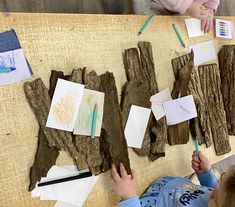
115,174
195,165
211,25
203,23
123,170
207,26
195,158
133,175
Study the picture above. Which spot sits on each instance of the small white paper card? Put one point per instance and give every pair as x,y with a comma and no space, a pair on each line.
85,115
224,29
203,52
65,105
71,193
136,126
180,110
157,100
194,27
16,62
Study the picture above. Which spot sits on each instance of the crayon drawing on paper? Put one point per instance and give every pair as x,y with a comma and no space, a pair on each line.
84,119
13,67
65,105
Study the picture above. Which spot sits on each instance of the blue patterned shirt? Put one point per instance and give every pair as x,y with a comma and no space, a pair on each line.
175,191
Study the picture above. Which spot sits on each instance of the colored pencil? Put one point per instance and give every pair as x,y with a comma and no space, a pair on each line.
178,34
80,176
197,146
145,25
94,120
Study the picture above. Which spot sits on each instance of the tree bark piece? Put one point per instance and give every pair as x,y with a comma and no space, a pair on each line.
179,133
227,74
211,89
112,123
45,158
88,148
39,99
157,148
44,152
141,78
200,126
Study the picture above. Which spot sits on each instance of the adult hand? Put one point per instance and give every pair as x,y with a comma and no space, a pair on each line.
124,184
197,10
200,164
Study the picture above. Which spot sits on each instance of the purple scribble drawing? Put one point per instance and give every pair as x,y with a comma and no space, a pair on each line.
8,61
182,110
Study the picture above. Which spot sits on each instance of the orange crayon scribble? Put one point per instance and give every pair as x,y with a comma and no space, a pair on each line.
63,111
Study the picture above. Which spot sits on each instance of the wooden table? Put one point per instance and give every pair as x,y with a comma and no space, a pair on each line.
52,41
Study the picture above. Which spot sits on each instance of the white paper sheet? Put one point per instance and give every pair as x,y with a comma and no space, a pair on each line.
157,100
203,52
62,204
65,105
136,126
85,114
67,193
14,59
224,29
194,27
180,110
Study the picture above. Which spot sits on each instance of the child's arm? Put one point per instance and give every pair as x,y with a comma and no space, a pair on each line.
212,4
202,167
195,9
125,186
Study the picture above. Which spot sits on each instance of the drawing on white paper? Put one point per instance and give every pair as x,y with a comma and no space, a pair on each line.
13,67
8,61
63,111
85,115
65,105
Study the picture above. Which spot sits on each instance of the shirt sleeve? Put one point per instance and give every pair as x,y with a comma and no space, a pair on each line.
176,5
208,179
131,202
212,4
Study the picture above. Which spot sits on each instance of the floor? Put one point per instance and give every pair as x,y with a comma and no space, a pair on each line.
226,8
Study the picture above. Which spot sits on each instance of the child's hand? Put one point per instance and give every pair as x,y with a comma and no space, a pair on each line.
125,185
207,24
201,165
198,11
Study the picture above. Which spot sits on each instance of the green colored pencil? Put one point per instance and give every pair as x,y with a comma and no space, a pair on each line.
145,24
178,34
94,120
197,147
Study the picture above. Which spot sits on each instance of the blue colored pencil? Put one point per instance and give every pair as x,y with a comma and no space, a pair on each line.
197,147
94,120
178,35
145,25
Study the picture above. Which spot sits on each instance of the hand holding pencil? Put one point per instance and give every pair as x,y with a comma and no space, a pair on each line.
200,164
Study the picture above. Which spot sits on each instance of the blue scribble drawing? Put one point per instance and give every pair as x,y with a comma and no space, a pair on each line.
7,62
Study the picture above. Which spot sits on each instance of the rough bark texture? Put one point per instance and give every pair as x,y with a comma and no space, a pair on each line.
140,73
39,99
179,133
45,158
112,123
44,152
227,74
88,148
210,84
200,126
